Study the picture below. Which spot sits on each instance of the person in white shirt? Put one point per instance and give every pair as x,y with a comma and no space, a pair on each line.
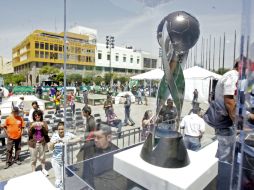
20,103
35,106
225,95
58,140
194,128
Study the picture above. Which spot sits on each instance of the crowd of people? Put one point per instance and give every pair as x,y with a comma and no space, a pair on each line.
98,136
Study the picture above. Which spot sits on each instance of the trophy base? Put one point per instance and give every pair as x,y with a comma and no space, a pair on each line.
165,150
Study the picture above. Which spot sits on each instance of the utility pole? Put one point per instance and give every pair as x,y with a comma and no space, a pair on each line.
219,51
110,41
213,52
223,55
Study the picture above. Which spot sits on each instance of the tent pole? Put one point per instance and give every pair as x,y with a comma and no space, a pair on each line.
150,88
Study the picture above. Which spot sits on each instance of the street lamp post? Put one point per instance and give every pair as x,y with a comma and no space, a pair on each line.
110,40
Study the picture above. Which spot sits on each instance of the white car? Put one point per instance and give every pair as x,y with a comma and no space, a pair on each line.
6,106
120,97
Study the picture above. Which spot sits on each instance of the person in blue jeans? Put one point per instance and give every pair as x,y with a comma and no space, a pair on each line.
127,110
194,127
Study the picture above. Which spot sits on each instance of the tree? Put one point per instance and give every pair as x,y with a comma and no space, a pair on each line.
73,78
109,76
97,80
123,79
59,77
87,80
49,70
14,79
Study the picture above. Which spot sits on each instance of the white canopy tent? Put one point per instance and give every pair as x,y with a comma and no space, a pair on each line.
195,78
155,74
200,79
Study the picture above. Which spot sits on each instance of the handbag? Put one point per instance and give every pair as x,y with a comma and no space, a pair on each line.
217,116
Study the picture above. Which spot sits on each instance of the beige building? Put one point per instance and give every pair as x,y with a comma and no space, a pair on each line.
5,66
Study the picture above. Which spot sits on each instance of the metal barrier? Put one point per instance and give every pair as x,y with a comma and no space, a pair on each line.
128,137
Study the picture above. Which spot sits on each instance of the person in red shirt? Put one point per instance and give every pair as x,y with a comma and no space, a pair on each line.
13,127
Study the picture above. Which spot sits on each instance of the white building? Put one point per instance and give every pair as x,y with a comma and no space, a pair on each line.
125,60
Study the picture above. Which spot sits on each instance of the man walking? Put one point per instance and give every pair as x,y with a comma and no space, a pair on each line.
13,126
194,127
85,96
127,110
1,95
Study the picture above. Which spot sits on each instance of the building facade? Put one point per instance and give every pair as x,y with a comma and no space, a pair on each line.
5,66
84,55
124,60
43,48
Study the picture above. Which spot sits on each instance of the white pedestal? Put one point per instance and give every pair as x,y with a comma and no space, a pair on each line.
31,181
198,174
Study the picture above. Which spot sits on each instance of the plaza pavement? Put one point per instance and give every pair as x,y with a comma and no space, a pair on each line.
137,112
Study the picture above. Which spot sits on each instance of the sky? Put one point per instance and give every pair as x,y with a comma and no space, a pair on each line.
131,22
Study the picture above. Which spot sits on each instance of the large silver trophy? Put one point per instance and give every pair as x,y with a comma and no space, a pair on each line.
176,34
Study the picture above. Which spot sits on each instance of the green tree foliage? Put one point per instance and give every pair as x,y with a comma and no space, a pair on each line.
73,78
14,79
87,79
48,70
59,77
123,79
98,80
108,77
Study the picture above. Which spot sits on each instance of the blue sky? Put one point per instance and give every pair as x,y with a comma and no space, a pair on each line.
132,22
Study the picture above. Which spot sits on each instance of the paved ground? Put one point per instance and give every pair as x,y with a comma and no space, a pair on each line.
137,112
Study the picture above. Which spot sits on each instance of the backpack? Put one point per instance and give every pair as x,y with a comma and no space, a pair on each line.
217,116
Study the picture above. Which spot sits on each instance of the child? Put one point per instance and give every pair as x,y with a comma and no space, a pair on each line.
56,144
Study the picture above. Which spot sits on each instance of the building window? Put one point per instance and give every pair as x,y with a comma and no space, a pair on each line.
41,54
37,45
107,69
154,63
80,67
131,59
41,45
99,68
37,54
46,46
117,58
99,55
60,48
138,61
51,46
89,68
147,62
108,57
60,56
46,54
51,55
124,58
55,47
